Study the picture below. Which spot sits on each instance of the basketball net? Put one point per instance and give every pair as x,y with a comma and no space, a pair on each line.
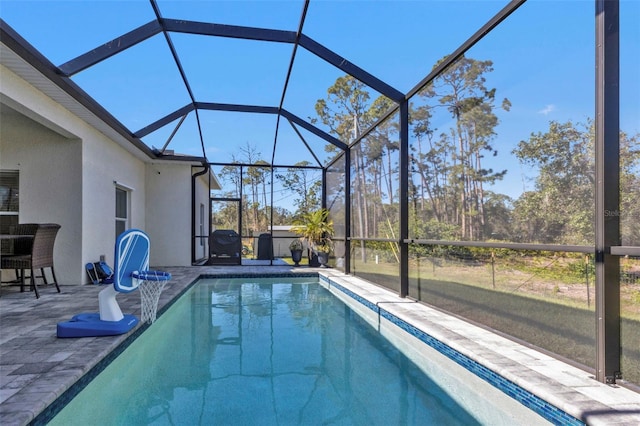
150,294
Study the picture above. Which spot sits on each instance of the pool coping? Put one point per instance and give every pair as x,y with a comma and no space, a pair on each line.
561,393
30,396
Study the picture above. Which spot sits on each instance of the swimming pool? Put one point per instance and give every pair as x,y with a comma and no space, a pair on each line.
281,351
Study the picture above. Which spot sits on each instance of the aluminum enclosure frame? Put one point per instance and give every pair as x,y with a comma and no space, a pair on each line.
607,245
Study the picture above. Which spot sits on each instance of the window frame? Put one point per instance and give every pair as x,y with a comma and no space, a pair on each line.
8,217
126,219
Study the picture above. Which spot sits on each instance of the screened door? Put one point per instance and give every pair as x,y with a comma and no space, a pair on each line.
225,214
225,243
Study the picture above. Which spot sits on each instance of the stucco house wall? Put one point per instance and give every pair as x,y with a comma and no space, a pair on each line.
68,174
168,215
105,166
50,186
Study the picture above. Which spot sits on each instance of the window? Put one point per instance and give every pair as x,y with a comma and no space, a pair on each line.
9,205
122,211
201,225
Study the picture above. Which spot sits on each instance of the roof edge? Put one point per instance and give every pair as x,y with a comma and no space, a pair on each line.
28,53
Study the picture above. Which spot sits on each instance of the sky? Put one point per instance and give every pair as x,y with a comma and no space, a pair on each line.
543,62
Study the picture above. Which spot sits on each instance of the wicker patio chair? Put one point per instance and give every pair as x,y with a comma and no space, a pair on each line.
23,246
38,255
20,246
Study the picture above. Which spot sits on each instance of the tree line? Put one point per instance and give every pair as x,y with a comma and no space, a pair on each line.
451,196
253,181
451,188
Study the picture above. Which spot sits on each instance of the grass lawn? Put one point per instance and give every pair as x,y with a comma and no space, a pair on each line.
303,262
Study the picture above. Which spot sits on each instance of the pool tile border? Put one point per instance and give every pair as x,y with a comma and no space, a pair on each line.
526,398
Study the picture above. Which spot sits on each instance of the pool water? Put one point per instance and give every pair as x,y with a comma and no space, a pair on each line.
263,352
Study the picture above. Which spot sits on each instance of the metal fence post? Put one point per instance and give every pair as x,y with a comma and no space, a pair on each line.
607,191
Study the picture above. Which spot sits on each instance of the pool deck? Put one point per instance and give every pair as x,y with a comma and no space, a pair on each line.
36,367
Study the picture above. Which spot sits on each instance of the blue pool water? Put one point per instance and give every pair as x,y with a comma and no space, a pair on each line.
263,352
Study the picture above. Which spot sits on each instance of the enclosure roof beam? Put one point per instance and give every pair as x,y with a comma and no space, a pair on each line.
303,16
159,25
34,58
110,48
164,121
230,31
264,165
351,69
464,47
210,106
313,129
166,26
295,129
183,74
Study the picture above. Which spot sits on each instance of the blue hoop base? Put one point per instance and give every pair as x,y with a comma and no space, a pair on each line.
90,325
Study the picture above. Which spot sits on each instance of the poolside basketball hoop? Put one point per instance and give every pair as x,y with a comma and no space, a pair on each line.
150,285
130,273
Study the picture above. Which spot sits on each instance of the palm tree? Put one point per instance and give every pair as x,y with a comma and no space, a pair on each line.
316,229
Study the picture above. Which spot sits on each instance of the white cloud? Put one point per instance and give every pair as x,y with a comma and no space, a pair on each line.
547,109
